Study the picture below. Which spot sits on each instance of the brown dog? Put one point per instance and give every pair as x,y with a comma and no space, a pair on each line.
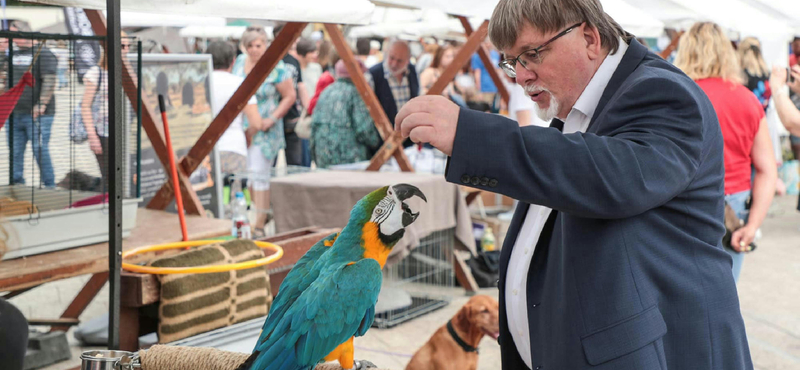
456,347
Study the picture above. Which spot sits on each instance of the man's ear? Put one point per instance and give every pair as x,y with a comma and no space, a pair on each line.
591,38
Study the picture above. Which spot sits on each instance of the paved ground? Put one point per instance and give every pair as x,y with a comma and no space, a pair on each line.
769,291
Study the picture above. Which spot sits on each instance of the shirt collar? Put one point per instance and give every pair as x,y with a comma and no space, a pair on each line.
587,102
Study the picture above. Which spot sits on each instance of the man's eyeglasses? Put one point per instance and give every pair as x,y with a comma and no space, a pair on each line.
530,56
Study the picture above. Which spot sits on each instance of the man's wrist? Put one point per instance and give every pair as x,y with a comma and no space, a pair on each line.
781,92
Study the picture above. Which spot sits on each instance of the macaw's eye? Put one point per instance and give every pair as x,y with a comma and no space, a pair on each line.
379,211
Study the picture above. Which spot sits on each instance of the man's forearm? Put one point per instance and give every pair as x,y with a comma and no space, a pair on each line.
48,89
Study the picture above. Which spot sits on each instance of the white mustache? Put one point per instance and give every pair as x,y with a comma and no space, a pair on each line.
533,89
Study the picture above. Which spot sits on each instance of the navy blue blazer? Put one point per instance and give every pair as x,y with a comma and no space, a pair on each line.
630,273
384,91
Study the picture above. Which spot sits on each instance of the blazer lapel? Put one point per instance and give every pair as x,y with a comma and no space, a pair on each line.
632,58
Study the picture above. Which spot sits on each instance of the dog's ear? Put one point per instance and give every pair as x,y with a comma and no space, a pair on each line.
463,317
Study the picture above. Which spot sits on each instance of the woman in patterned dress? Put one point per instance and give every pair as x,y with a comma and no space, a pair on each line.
342,131
275,96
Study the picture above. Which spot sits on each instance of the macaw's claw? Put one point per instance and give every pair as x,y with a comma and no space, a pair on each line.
364,365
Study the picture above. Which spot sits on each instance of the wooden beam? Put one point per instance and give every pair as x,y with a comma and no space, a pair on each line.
672,45
53,322
487,62
154,131
470,47
237,102
395,142
391,145
82,300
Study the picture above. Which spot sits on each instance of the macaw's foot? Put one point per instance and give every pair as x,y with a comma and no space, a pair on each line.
364,365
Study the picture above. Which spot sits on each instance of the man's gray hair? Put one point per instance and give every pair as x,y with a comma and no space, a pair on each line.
394,42
222,54
548,16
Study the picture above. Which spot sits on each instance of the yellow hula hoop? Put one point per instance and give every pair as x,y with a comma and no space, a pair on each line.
200,269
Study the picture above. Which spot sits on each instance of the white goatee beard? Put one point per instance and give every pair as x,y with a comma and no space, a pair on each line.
544,114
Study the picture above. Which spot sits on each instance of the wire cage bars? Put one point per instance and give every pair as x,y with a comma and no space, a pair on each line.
53,168
420,283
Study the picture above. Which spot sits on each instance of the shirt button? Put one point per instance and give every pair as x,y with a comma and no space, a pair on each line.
465,179
492,183
527,250
514,292
476,181
484,181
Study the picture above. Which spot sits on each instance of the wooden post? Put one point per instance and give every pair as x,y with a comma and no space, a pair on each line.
395,143
83,299
232,108
473,44
392,140
153,130
487,62
672,45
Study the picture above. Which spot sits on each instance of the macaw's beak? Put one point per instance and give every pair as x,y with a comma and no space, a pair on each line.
405,191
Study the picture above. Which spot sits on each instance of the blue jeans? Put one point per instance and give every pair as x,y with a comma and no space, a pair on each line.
23,129
738,201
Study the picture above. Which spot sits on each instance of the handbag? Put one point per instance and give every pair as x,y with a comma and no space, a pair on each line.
303,128
77,129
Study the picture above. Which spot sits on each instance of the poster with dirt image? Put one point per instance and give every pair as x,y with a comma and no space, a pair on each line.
184,80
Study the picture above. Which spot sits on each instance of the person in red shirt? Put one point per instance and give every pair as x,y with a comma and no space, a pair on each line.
706,55
794,58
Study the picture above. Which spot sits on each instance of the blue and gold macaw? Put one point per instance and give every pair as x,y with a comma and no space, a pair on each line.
329,296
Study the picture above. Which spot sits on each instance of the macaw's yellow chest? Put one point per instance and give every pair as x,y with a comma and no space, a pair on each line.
373,246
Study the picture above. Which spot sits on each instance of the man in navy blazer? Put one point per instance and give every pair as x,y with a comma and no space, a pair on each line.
613,259
395,80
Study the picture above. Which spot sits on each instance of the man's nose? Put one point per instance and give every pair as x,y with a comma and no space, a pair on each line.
524,76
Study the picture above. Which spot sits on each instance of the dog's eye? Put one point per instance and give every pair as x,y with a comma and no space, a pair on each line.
485,311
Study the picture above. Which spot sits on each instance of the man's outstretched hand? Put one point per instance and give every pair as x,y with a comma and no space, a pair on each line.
429,119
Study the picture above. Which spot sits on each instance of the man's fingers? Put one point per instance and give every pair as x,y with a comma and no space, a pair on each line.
423,134
413,121
419,104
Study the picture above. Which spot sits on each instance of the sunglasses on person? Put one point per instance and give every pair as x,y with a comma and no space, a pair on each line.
531,56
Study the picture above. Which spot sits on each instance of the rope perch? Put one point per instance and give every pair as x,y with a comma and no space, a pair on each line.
162,357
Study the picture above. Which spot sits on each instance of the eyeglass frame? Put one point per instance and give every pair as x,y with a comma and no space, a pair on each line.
509,65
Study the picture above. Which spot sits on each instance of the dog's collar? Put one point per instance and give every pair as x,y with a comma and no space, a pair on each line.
466,347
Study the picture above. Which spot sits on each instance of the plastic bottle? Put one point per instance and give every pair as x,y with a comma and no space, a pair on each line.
488,242
241,224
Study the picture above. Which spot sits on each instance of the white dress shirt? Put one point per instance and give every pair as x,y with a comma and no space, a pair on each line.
577,120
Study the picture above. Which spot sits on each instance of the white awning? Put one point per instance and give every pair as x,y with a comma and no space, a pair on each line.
322,11
225,32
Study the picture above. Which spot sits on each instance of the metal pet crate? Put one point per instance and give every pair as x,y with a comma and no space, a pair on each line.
420,283
53,191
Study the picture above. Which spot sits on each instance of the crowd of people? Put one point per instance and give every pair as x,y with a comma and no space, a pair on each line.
310,107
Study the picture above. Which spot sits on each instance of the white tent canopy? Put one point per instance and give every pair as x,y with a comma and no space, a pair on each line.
740,17
322,11
630,17
410,24
137,19
208,32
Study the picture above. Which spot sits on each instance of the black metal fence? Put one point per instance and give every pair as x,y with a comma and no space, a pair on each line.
57,132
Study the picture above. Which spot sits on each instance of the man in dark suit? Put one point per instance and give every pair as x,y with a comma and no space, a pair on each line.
613,259
395,80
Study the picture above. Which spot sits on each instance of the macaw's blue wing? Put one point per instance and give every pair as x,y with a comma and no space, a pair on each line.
334,308
299,278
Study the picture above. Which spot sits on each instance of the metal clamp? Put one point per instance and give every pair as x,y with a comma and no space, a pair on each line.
129,362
